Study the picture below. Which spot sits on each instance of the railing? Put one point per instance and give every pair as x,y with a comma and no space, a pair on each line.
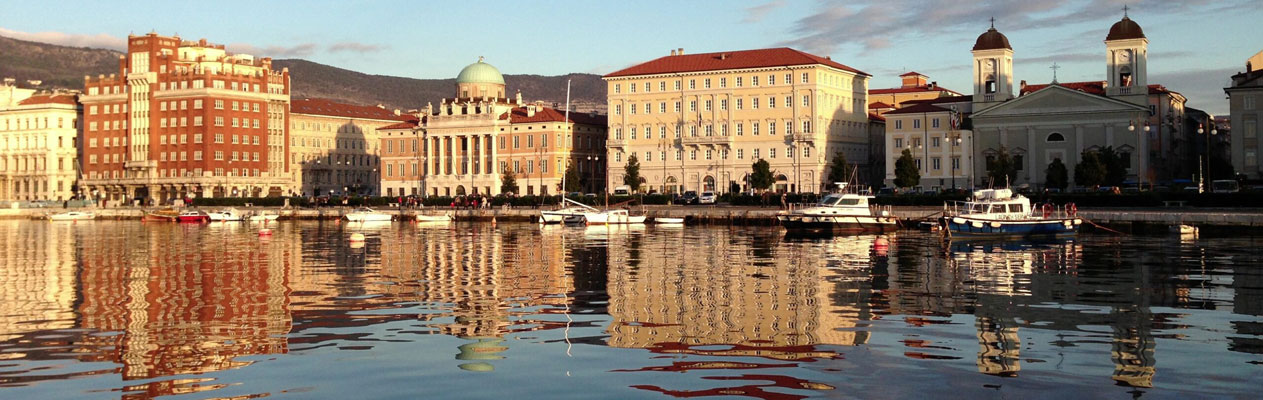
1052,211
616,142
700,140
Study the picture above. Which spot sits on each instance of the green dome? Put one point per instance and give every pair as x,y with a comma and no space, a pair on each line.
480,72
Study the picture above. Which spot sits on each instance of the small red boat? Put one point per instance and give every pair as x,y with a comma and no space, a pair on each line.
163,215
193,216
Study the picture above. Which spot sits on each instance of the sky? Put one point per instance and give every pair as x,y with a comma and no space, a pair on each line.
1194,46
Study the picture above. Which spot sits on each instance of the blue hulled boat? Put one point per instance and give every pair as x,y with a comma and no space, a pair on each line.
1001,213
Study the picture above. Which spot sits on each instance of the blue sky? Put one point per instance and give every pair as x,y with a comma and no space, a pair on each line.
1194,45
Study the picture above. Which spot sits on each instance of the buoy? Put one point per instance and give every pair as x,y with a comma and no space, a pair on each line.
265,232
357,237
881,246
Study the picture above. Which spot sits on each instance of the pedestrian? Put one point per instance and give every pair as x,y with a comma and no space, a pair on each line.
784,199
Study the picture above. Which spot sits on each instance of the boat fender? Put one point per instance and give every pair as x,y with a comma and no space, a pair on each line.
1067,223
976,224
357,237
1078,221
958,220
1072,209
995,224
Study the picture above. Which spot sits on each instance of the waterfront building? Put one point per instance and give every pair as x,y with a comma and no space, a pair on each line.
1061,121
934,131
186,119
913,86
39,135
469,142
334,146
699,121
1243,108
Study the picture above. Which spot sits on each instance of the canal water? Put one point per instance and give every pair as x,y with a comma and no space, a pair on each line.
121,309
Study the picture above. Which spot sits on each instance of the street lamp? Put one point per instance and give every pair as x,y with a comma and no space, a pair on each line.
1202,186
1140,175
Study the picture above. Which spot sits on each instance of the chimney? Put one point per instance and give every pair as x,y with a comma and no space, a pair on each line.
933,84
530,110
679,51
672,51
396,112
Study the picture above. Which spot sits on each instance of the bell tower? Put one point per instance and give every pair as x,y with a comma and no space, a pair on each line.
992,68
1126,63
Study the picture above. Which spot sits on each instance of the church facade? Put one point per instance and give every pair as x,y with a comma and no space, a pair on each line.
1061,121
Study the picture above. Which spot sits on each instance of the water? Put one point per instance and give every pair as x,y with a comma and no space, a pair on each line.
113,309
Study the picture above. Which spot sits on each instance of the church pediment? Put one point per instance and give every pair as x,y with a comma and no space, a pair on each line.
1056,99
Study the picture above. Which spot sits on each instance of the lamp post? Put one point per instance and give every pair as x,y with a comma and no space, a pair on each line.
1140,177
954,140
1203,186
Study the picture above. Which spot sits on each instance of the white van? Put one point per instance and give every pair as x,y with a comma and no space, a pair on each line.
622,190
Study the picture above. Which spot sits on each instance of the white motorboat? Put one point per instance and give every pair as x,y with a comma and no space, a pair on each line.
611,217
574,210
263,216
227,214
72,216
846,212
365,214
445,217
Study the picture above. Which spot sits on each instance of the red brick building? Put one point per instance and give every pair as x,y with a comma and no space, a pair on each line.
186,119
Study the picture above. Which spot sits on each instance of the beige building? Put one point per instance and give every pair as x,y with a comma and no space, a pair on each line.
38,144
933,131
334,146
699,121
465,144
1244,97
913,86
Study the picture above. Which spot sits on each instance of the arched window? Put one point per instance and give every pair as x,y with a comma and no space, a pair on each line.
1124,76
1055,137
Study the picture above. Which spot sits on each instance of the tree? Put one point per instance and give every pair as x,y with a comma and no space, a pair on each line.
1056,175
1090,171
508,182
1001,168
761,178
631,173
840,171
1115,166
906,172
574,182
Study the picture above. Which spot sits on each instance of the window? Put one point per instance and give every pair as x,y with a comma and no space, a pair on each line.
771,80
741,153
898,143
936,163
771,128
806,152
708,154
1248,102
618,88
692,154
692,84
219,104
662,86
789,78
934,123
771,153
807,101
1055,137
916,124
723,104
708,104
934,141
754,81
631,88
754,103
692,105
754,128
706,83
771,102
618,109
754,154
662,108
219,138
898,125
740,129
677,85
1017,162
738,81
738,103
804,77
677,106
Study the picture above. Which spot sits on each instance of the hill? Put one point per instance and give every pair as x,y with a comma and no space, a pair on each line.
65,67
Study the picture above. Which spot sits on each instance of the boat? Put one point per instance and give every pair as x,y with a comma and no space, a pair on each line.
365,214
163,215
574,210
1002,213
227,214
72,216
263,216
192,216
842,212
612,217
668,221
445,217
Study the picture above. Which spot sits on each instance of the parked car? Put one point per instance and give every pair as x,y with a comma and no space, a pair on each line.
622,190
707,197
689,197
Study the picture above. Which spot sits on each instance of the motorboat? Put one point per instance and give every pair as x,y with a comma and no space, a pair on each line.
192,216
612,217
72,216
263,216
668,221
163,215
227,214
1002,213
445,217
365,214
843,212
572,209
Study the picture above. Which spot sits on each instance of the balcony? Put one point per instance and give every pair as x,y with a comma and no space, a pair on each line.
616,143
802,137
706,140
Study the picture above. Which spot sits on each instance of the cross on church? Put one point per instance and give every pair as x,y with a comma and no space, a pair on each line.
992,22
1055,67
1124,11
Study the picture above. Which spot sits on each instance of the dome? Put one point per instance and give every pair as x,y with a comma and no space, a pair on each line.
991,40
480,72
1125,29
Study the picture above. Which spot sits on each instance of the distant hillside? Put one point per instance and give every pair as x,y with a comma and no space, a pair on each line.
65,67
318,80
57,66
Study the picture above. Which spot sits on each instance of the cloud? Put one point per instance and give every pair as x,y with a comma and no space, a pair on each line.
355,47
756,13
1062,58
874,24
298,50
100,41
1204,88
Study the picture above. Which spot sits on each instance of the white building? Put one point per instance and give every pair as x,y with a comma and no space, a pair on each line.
38,144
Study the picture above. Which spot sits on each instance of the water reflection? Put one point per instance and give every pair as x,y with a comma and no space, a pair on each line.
173,309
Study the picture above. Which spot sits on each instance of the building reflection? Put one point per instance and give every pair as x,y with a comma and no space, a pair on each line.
741,297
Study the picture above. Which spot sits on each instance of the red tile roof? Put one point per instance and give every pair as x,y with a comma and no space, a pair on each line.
776,57
918,108
546,114
335,109
1091,87
879,105
50,98
875,117
913,73
925,88
941,100
409,124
